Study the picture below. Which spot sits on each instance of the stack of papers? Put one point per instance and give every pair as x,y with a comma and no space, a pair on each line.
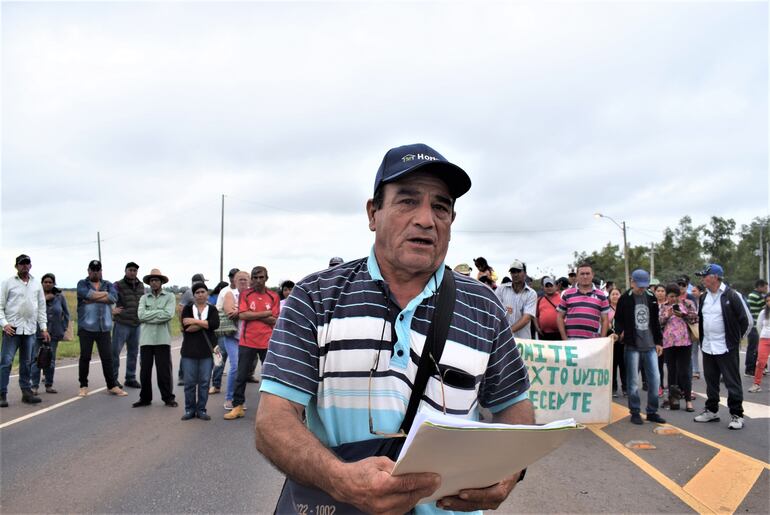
470,454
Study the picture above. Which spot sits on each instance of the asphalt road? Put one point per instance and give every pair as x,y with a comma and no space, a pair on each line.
99,455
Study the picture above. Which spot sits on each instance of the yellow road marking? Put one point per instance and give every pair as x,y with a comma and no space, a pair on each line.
719,487
654,473
725,481
723,448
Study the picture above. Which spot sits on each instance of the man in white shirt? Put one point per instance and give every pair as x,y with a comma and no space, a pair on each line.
519,300
22,310
724,319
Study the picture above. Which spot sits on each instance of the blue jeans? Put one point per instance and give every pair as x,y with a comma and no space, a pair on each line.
231,344
649,362
216,374
24,343
122,333
197,373
34,372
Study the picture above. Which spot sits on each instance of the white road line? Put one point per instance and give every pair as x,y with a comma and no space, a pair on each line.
92,362
46,410
750,409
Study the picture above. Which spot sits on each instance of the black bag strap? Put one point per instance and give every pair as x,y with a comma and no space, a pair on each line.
434,344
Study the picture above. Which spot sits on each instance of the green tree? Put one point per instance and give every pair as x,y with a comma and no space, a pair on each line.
743,270
718,244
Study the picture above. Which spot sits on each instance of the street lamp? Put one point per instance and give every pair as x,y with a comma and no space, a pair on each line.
622,227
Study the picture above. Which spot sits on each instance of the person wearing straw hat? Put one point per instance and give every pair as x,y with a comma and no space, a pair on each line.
155,311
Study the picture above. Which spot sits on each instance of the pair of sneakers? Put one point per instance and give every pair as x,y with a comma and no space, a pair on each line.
636,418
755,388
736,422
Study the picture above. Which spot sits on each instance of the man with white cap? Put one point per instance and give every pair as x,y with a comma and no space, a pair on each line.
519,300
724,319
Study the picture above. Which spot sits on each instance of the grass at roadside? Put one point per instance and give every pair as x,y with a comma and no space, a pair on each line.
72,349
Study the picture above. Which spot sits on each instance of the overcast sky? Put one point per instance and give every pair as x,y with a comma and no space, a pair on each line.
132,119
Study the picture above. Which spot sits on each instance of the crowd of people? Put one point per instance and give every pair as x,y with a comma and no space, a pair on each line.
656,330
233,322
234,330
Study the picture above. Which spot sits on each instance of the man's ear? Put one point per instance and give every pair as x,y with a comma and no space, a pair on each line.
370,212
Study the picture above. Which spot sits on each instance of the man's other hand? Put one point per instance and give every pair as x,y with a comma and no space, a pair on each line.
489,498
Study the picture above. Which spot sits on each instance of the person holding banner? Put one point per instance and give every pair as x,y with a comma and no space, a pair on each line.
638,327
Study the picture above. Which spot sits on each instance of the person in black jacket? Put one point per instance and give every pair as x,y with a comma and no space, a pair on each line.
638,327
199,319
724,319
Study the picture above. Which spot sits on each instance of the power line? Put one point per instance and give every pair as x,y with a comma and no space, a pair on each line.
262,205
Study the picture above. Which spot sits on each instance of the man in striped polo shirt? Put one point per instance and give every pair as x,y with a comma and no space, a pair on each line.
347,346
582,312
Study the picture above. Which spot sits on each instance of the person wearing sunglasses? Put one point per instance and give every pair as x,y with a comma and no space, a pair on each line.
347,347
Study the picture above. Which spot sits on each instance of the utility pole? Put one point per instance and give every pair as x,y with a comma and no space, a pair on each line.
652,260
625,255
99,245
761,254
222,242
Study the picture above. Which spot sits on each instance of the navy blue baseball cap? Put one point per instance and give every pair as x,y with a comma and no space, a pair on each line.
401,161
711,269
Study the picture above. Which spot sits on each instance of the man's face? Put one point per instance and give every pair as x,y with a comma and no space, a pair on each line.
762,289
23,268
517,276
155,284
549,288
258,280
711,282
131,273
413,226
94,275
585,277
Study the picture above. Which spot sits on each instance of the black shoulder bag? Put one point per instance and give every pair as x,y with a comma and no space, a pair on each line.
296,498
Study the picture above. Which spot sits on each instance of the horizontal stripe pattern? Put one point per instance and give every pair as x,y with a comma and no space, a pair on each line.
331,328
583,312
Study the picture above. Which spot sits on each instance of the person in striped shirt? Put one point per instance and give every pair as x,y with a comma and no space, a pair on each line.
583,310
347,345
756,302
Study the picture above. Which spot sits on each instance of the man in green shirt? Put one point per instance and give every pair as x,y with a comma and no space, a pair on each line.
756,301
156,309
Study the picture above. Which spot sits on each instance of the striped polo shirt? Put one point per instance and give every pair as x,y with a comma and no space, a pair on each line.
583,312
336,323
756,302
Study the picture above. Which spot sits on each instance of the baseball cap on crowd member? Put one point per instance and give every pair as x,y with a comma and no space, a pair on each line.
711,269
131,264
336,260
517,265
198,278
95,264
232,272
548,281
641,278
23,258
463,268
401,161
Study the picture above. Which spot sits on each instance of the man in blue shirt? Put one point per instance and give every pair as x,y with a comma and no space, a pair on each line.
95,297
347,346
